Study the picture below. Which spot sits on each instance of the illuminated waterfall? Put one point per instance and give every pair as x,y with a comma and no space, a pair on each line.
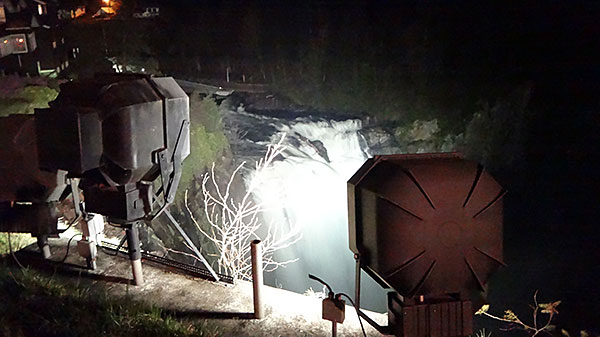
307,188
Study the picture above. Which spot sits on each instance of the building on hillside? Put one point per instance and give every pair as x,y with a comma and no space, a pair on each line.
146,10
68,10
104,12
31,38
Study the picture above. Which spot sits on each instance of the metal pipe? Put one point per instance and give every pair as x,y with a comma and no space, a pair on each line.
136,268
257,278
42,241
384,330
192,245
357,281
135,254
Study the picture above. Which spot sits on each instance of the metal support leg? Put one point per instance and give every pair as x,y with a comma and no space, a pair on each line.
357,281
192,245
135,253
42,241
257,278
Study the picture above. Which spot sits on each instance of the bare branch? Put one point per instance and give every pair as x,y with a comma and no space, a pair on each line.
514,321
234,223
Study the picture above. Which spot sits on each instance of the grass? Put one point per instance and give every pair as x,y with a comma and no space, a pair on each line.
35,304
17,240
25,100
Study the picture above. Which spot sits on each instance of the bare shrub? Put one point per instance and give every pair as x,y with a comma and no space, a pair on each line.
235,221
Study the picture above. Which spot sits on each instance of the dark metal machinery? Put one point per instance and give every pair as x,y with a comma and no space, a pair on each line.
428,227
122,140
29,197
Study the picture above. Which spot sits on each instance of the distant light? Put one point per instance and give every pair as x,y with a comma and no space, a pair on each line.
107,2
20,40
143,69
40,10
5,41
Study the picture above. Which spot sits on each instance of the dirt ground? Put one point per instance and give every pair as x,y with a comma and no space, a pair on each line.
228,307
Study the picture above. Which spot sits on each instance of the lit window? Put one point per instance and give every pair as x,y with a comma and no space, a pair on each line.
2,14
18,43
53,44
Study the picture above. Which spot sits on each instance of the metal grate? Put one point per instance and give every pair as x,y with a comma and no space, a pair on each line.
187,269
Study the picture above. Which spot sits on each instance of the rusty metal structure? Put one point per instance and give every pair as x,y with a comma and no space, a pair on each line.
120,139
429,228
118,133
29,196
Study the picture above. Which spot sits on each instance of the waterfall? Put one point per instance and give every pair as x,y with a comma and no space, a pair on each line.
306,188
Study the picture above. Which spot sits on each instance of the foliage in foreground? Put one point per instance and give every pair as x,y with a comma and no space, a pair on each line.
542,320
17,241
538,324
37,305
207,140
23,100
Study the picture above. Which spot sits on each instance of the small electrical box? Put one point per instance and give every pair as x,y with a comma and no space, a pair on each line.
334,310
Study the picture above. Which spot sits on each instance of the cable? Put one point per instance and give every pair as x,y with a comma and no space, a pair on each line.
357,313
116,250
13,253
76,220
313,277
68,246
331,293
113,225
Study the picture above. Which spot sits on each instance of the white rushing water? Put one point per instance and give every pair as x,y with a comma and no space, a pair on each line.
307,188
